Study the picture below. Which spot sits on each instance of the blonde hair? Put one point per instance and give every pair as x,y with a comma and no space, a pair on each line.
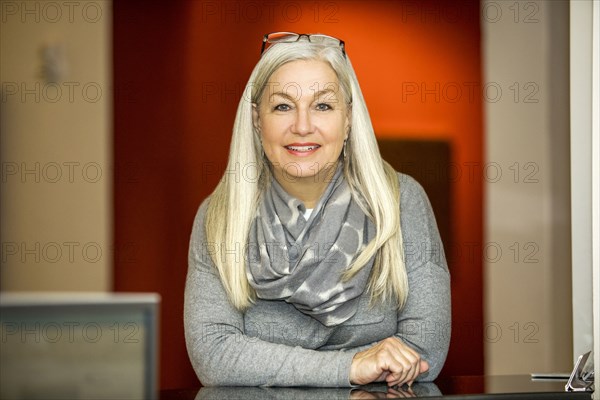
373,182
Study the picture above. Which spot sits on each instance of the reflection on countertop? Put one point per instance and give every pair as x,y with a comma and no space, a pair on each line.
373,391
474,387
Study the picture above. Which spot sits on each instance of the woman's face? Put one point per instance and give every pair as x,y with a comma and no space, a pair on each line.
303,120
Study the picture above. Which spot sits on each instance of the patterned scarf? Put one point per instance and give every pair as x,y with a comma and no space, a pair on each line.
302,261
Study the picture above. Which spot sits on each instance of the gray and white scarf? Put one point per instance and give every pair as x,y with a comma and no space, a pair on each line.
302,261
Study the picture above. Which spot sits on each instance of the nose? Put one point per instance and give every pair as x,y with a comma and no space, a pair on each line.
303,123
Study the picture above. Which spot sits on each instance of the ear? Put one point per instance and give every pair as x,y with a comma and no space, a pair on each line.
255,117
347,123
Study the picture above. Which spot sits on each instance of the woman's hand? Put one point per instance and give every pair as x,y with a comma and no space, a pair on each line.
390,360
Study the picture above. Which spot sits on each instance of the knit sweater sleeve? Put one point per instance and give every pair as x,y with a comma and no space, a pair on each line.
424,322
221,352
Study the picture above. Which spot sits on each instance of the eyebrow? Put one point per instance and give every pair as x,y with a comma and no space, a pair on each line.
291,98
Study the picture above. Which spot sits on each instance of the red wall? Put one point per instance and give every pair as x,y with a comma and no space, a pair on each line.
179,71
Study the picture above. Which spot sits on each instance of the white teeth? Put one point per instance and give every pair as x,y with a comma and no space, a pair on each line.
302,148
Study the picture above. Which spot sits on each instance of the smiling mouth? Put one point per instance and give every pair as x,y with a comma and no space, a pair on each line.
303,148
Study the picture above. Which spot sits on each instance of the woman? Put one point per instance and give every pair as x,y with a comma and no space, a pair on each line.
313,263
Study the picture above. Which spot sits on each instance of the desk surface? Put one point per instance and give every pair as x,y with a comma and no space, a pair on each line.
467,387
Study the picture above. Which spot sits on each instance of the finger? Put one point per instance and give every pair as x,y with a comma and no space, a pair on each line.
366,367
415,363
410,362
381,378
408,352
410,375
392,360
417,366
416,370
400,372
423,367
400,377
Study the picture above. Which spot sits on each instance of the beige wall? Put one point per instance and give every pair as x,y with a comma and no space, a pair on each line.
528,288
55,145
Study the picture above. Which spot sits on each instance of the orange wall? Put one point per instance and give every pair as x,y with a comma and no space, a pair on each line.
180,68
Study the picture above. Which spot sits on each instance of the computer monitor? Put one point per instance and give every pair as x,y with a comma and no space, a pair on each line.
78,346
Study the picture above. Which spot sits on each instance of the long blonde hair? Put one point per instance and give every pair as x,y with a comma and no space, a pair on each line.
373,182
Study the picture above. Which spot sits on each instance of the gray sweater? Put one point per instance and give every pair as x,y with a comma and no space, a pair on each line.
274,344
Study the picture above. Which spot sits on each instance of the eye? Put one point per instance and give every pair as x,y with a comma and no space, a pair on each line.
282,107
324,107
